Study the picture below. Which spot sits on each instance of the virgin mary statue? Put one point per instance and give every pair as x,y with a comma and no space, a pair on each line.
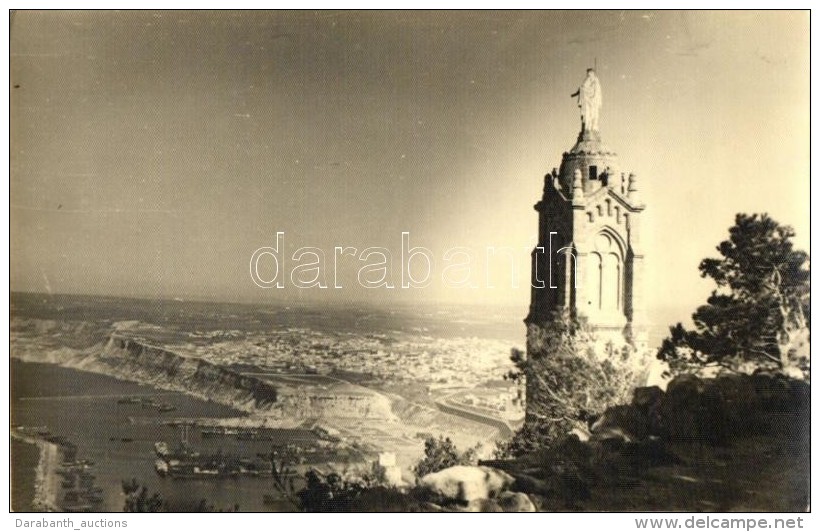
589,100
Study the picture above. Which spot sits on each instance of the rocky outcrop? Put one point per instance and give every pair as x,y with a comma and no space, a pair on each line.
344,401
466,483
722,438
129,359
472,489
514,502
705,410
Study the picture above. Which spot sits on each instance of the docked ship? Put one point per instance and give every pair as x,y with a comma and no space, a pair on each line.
187,463
184,462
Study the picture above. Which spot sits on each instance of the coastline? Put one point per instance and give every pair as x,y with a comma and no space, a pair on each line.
46,489
108,462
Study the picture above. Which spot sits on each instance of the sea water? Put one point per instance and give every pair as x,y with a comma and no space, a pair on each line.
119,438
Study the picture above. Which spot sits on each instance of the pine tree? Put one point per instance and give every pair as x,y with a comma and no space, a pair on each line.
759,313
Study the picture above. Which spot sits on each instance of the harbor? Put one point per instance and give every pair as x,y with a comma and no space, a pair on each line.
63,483
82,409
116,438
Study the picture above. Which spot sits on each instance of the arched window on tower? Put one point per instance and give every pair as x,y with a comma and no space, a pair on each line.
566,262
610,282
563,271
605,275
594,280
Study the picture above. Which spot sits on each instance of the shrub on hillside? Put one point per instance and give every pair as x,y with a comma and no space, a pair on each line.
441,453
571,378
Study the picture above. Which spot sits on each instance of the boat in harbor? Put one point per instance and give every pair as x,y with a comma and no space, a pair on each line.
161,448
129,400
212,432
184,462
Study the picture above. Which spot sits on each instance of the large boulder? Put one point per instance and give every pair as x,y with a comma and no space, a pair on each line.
647,398
800,396
467,483
481,505
773,391
649,401
685,386
738,392
693,409
717,409
622,422
570,449
514,502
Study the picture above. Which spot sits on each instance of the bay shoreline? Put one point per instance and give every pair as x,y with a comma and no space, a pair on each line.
46,483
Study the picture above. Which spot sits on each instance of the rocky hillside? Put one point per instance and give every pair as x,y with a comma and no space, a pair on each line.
128,359
736,443
118,355
733,443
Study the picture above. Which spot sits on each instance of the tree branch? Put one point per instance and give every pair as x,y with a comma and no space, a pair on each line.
765,354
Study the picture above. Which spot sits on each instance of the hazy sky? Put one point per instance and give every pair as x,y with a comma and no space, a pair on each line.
152,153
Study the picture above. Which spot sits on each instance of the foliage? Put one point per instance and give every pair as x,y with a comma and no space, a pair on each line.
282,473
332,492
349,490
137,500
570,378
758,316
441,453
531,437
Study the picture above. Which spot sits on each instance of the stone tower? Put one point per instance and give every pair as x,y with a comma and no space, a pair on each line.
589,259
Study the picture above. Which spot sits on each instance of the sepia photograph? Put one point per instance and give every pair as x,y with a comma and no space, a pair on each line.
409,261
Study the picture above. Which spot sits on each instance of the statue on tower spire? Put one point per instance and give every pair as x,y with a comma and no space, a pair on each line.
589,100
